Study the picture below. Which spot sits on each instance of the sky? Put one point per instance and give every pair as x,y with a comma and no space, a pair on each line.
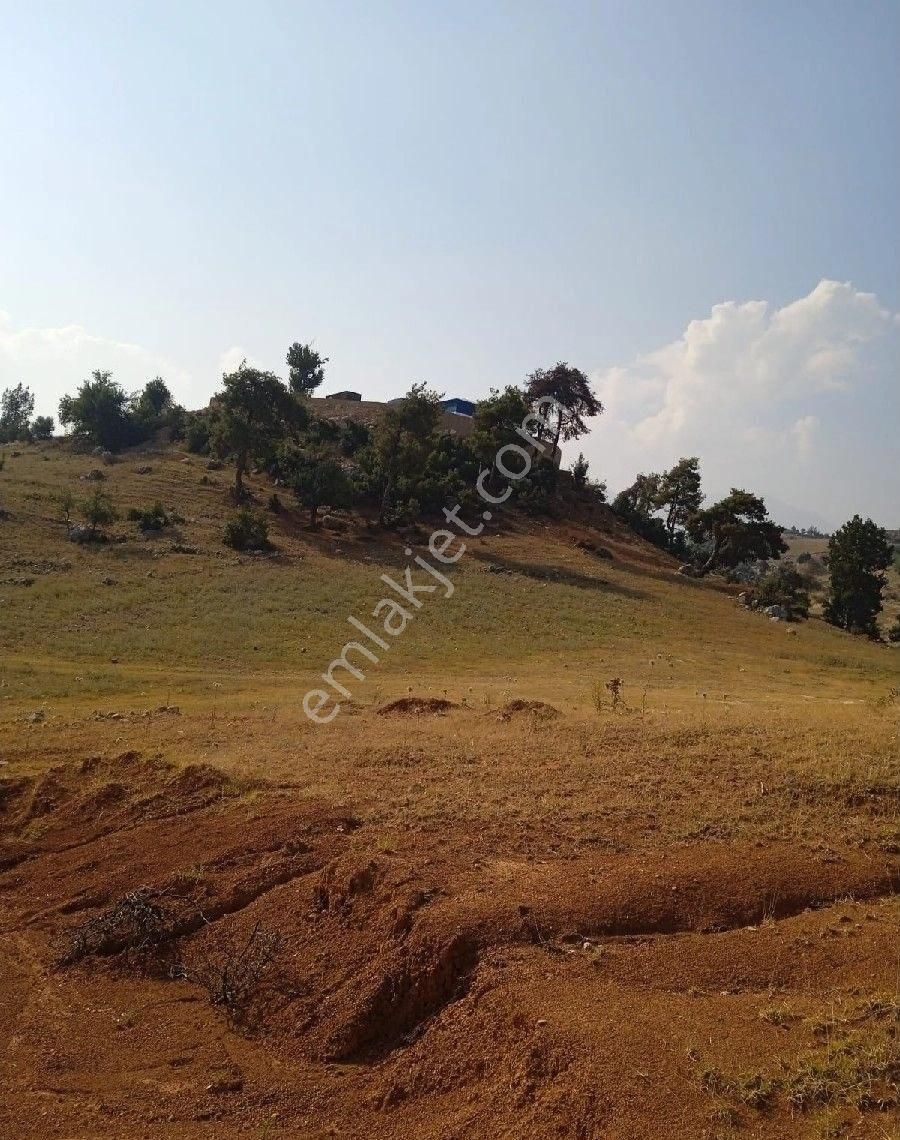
694,202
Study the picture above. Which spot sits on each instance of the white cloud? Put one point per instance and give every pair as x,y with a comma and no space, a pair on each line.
53,361
772,398
232,358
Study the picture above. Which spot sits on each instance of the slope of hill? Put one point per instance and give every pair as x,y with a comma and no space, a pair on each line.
501,895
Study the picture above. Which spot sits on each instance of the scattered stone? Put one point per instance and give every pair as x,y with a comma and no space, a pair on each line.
107,581
214,465
145,470
95,475
37,717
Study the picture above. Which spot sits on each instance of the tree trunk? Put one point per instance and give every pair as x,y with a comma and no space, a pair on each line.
313,517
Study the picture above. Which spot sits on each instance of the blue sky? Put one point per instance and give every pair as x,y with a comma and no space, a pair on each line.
461,192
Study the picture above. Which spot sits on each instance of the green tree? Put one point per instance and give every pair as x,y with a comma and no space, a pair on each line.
574,400
678,494
580,470
100,413
253,412
317,481
495,421
736,529
42,427
858,554
16,406
306,368
402,442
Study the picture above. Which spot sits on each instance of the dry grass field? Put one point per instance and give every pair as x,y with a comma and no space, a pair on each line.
488,899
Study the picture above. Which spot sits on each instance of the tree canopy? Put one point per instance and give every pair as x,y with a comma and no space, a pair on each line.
858,554
737,529
16,406
252,414
575,400
99,413
306,368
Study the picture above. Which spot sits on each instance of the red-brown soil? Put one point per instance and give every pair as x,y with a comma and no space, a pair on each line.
420,992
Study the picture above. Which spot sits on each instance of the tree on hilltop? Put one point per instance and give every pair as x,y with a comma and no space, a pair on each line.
252,414
306,368
574,400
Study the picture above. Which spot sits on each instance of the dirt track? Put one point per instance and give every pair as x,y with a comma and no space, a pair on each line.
424,992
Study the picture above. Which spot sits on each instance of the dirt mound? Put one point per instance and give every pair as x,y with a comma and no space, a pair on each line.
539,710
71,802
417,706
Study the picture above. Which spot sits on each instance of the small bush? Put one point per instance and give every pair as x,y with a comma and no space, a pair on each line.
786,587
232,970
894,631
247,530
152,518
137,926
274,504
98,511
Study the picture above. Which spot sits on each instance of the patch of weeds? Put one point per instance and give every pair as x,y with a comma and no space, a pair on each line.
779,1015
856,1070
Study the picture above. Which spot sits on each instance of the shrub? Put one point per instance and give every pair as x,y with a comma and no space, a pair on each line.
247,530
894,631
804,556
137,925
152,518
232,970
274,504
98,511
786,587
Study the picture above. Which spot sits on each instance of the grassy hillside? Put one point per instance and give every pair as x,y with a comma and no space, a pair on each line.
530,607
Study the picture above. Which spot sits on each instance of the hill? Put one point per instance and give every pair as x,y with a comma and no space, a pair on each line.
590,848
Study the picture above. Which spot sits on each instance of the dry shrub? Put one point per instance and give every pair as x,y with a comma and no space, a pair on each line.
232,969
138,926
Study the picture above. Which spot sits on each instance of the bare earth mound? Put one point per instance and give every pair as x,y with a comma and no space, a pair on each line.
417,706
521,707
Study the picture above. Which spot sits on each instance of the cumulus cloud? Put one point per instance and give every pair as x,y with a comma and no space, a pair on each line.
53,361
776,399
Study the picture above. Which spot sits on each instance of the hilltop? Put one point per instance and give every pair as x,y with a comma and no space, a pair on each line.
592,850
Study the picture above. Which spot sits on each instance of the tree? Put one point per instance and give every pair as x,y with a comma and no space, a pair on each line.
16,406
154,401
317,481
495,421
42,427
306,368
640,498
580,472
737,529
575,400
402,442
99,413
252,414
858,554
678,493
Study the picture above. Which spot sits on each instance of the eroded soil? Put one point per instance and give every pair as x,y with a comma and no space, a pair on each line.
429,988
